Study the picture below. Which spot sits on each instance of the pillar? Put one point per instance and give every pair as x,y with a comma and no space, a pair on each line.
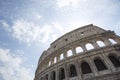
66,71
92,66
84,48
95,44
78,70
73,51
65,54
58,58
108,62
107,42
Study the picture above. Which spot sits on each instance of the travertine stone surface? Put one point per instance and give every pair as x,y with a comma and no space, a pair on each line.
87,53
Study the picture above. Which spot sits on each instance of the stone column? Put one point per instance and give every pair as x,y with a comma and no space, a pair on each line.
73,51
66,71
52,61
108,62
57,73
92,66
78,70
49,76
95,44
65,54
84,48
107,42
58,58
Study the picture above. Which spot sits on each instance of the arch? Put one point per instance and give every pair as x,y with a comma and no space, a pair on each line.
46,77
41,78
112,41
61,74
55,59
73,72
100,43
89,46
69,53
78,49
61,56
115,61
49,64
85,68
100,65
53,75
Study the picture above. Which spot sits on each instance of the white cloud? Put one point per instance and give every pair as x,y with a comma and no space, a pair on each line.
12,68
5,25
29,32
87,12
58,27
38,16
102,13
63,3
25,31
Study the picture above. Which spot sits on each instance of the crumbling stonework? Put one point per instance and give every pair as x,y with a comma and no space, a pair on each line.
87,53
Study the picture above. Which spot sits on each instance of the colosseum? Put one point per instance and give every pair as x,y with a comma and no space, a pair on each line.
86,53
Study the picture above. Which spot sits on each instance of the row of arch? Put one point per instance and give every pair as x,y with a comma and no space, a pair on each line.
79,50
85,68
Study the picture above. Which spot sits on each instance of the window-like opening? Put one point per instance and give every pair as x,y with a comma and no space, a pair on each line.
73,72
55,59
66,39
112,41
82,33
79,49
61,74
100,65
114,60
89,46
49,63
100,43
54,46
41,78
69,53
53,75
85,68
46,77
61,56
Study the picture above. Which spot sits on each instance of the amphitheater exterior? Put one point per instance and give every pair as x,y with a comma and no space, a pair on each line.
86,53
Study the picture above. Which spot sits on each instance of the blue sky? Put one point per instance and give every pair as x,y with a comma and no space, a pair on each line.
27,27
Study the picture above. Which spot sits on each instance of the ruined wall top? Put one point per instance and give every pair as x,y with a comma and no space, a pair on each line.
82,32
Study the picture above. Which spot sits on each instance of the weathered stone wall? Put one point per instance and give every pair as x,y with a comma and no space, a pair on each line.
84,45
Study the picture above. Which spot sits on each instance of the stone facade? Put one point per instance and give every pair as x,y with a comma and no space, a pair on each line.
87,53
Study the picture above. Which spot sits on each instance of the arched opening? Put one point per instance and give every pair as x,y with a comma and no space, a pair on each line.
73,72
55,59
79,49
112,41
49,63
46,77
61,74
100,65
41,78
69,53
114,60
89,46
85,68
53,75
61,56
100,43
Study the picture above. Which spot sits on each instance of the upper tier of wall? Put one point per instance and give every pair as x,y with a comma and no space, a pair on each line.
77,34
